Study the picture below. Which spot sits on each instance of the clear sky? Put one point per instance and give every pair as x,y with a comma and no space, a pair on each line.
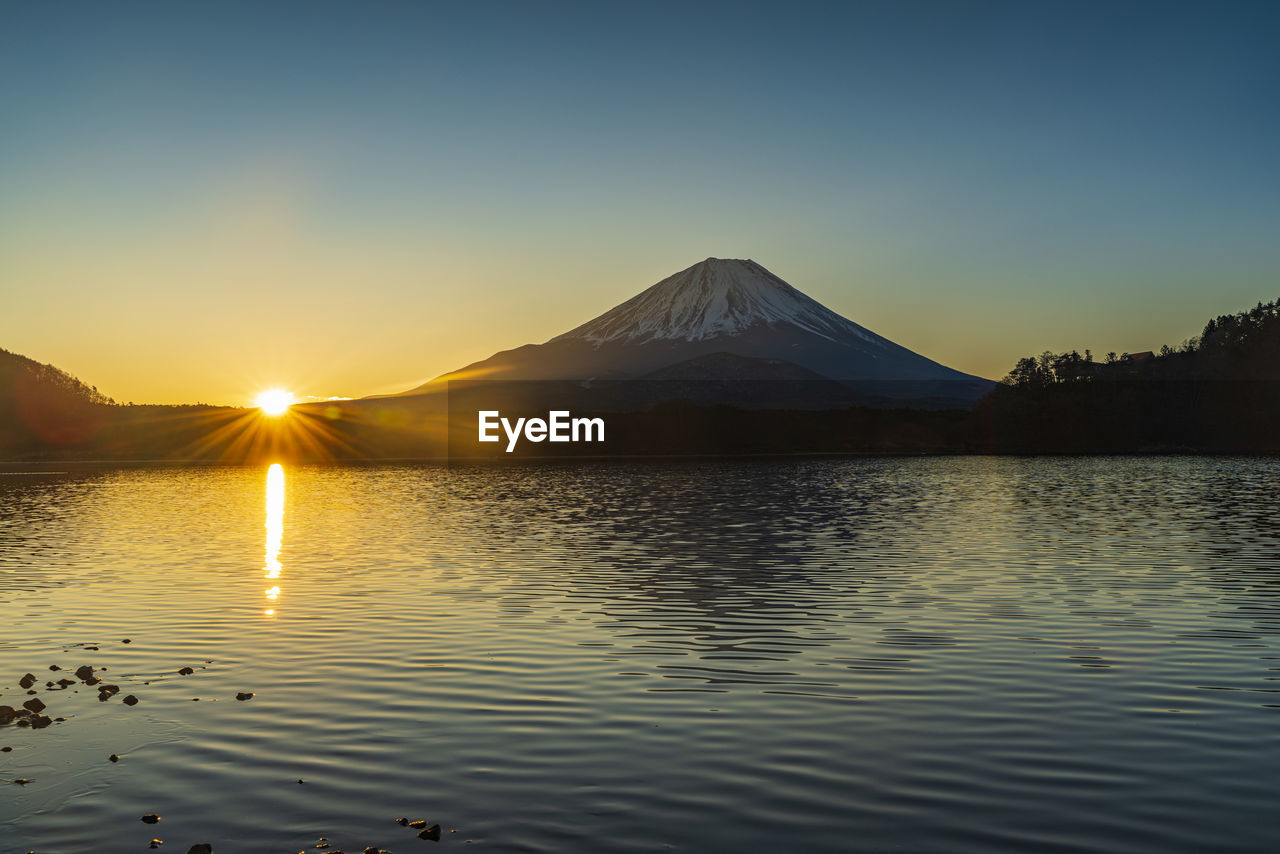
201,200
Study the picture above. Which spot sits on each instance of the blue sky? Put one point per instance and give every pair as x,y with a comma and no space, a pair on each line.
350,198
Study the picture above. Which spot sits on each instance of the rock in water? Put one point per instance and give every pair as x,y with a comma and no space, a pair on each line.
34,705
417,825
130,700
244,695
200,848
150,818
432,833
84,671
27,681
115,757
185,671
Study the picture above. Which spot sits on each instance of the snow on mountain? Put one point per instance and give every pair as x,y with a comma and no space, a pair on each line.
713,298
733,307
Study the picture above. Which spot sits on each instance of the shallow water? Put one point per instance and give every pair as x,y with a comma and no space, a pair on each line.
941,654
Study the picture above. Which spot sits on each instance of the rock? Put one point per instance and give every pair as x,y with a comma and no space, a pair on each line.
40,721
130,700
372,849
200,848
54,667
402,822
417,825
109,689
66,683
5,749
126,640
186,671
115,757
91,680
150,818
22,781
34,704
156,843
7,713
84,671
27,681
244,695
432,833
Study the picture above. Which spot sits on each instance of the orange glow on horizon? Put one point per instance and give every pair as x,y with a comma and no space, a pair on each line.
274,401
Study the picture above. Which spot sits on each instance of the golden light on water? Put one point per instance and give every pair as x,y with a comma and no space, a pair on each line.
275,531
274,401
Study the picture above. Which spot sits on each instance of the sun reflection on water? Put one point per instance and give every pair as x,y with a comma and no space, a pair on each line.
275,531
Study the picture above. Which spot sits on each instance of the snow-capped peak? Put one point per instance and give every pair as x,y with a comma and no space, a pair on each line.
713,298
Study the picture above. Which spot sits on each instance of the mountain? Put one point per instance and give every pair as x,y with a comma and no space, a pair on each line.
735,307
40,404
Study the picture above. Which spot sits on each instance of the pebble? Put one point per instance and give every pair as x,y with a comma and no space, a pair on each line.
127,640
115,757
5,749
150,818
402,821
244,695
22,781
27,681
432,833
156,843
417,825
54,667
84,671
130,700
186,671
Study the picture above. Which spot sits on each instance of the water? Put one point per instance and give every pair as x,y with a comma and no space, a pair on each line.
943,654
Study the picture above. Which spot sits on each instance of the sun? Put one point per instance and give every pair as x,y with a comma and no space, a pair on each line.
273,401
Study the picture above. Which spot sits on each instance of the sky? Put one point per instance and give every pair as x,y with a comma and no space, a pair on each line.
198,201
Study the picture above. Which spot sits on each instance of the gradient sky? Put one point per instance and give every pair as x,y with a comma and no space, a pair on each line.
201,200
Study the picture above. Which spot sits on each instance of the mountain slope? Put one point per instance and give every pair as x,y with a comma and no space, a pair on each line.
719,306
711,299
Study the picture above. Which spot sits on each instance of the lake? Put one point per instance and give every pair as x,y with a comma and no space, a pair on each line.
962,654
